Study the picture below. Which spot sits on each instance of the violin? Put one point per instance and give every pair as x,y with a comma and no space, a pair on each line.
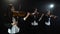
21,14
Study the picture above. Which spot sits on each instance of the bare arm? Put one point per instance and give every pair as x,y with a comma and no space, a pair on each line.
41,17
53,16
26,16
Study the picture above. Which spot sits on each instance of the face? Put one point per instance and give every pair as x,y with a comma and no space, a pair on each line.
10,4
48,13
36,9
12,9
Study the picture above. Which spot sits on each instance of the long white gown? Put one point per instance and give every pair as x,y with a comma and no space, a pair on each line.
14,29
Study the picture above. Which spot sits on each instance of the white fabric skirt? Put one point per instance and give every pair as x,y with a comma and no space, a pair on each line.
13,30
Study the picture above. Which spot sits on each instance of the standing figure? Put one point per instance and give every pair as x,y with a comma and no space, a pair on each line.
49,18
49,23
35,15
34,22
14,29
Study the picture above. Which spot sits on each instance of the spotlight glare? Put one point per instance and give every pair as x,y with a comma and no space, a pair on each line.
52,5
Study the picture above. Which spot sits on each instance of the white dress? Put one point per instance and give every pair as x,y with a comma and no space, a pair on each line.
14,29
48,23
34,23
